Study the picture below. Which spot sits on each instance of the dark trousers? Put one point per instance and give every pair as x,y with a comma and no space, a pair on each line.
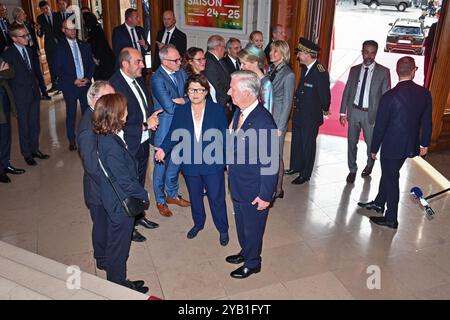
99,218
28,118
215,189
5,143
388,191
49,55
71,98
303,147
142,156
250,226
120,230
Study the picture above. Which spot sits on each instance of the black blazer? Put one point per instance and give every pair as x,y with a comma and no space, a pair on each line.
178,39
5,40
49,32
121,39
58,24
219,77
102,53
133,126
231,67
25,84
403,121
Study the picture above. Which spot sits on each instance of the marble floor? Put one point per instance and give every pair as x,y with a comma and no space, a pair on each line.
317,245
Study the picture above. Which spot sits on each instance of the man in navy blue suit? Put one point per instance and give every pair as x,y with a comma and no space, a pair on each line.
87,146
403,130
128,81
74,68
167,87
253,180
130,35
26,93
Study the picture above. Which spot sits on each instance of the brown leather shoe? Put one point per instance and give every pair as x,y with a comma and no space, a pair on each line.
164,210
179,201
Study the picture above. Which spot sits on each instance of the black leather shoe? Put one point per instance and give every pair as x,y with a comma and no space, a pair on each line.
351,177
290,172
366,172
147,223
133,286
300,180
224,239
72,146
193,232
137,237
243,272
138,283
13,170
371,206
382,222
40,155
280,195
235,259
4,178
30,161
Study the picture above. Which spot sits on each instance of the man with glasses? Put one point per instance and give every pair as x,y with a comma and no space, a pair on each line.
128,81
26,93
217,73
167,86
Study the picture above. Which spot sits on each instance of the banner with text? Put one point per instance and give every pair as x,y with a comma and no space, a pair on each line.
215,14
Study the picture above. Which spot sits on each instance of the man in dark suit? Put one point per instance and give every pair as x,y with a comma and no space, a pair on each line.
167,86
74,68
217,73
47,28
61,16
128,81
20,17
170,34
87,146
278,32
312,102
402,130
231,60
130,35
366,83
5,39
7,107
26,93
252,180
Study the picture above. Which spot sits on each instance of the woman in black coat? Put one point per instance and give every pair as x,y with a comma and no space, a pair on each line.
103,54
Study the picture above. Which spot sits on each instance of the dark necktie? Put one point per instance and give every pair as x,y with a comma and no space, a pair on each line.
134,39
238,65
363,88
4,28
25,59
141,96
49,20
167,37
174,79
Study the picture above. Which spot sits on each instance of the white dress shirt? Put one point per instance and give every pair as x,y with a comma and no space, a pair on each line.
309,66
20,48
134,36
198,125
145,134
246,112
367,88
163,40
121,135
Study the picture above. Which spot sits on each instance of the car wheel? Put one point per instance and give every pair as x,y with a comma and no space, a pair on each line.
401,7
373,5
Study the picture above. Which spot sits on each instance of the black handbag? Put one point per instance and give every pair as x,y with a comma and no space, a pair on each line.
132,206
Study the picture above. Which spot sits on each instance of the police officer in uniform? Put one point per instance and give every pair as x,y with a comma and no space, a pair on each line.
312,102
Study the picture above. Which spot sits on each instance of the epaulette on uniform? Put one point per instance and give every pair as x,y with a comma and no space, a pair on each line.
320,68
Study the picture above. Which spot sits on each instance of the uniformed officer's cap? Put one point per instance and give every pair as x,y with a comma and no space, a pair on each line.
305,45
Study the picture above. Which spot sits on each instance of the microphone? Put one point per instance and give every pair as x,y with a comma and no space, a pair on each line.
417,194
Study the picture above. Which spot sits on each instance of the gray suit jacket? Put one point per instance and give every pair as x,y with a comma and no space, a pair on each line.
381,82
283,94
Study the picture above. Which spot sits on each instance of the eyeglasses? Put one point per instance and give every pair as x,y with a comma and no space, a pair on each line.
193,91
200,59
175,60
24,36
